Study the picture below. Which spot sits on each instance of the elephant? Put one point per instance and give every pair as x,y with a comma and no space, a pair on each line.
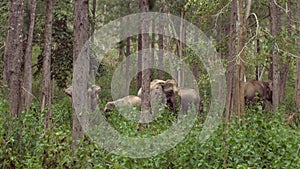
256,91
181,95
92,92
188,97
157,96
155,84
126,101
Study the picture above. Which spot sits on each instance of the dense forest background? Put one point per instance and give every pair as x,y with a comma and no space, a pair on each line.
40,41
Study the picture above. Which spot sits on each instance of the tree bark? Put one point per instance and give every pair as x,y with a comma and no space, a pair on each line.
230,67
182,45
145,105
121,56
297,98
160,49
46,74
127,54
153,44
285,67
81,35
13,55
127,64
242,32
196,40
257,54
140,47
275,25
27,76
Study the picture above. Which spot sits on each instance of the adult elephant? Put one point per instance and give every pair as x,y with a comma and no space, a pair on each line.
178,95
258,91
158,98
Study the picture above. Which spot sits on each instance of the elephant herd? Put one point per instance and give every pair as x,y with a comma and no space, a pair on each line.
162,92
168,94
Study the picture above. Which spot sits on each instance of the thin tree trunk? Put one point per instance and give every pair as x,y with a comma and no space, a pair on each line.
121,48
230,68
127,53
283,76
285,67
257,54
13,55
140,47
242,32
275,29
270,72
160,48
196,70
196,40
182,44
153,44
46,76
27,76
127,64
297,98
81,35
145,106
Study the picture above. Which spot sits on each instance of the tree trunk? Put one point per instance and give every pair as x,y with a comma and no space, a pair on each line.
242,32
145,106
140,47
127,64
121,56
160,49
283,76
285,67
182,45
256,64
230,68
13,55
121,48
81,35
153,44
275,29
196,40
46,76
297,99
127,53
27,76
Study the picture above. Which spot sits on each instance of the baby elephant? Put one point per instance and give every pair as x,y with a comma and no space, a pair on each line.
123,102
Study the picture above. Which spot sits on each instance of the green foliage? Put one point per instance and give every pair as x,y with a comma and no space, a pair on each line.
62,42
263,141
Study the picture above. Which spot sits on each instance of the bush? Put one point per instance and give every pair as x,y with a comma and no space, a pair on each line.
262,141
